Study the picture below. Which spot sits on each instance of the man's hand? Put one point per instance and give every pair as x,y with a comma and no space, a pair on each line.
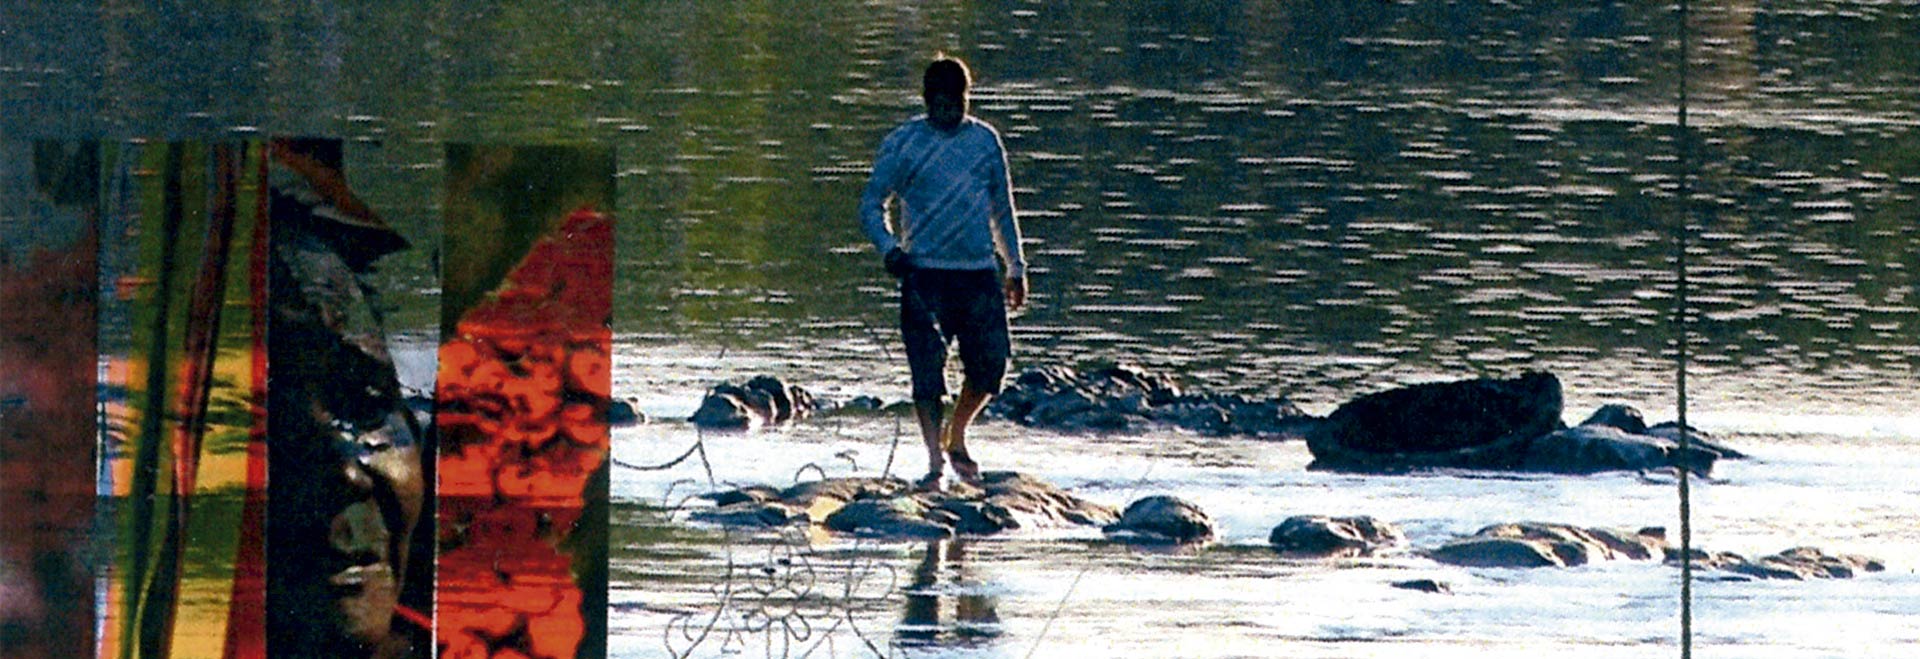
897,263
1016,292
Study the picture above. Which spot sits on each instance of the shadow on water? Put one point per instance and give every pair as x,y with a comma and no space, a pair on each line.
946,605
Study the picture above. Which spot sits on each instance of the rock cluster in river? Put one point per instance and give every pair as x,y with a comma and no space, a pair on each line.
1127,397
1797,564
1533,544
1004,500
761,401
889,507
1495,424
1484,424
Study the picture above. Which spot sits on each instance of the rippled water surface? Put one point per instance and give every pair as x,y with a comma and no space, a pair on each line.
1312,199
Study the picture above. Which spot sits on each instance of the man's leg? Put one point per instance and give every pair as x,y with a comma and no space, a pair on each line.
981,324
928,414
927,362
955,437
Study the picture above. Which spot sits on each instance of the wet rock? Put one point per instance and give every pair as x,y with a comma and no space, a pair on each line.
1126,397
1593,449
1628,419
1471,423
1670,431
1798,564
751,493
1323,536
1508,425
728,406
862,404
1425,586
885,507
623,413
751,513
897,517
1162,519
763,400
1505,552
1624,417
1532,544
1030,501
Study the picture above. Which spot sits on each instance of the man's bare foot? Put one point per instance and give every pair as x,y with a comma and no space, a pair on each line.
963,465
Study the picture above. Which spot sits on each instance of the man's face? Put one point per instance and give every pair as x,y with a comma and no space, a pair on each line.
359,492
945,109
347,484
369,536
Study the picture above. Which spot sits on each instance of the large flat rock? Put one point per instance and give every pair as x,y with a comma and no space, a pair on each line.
888,507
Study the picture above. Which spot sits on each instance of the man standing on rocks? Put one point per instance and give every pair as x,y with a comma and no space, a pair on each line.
949,171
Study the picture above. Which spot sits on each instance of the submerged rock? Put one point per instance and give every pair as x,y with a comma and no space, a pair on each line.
1798,564
1323,536
1629,419
623,413
1497,424
764,400
751,513
1532,544
888,507
1127,397
1162,519
1425,586
1593,449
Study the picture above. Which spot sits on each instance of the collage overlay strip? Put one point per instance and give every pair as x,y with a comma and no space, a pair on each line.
208,449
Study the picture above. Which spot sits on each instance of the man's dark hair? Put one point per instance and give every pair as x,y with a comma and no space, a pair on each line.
947,74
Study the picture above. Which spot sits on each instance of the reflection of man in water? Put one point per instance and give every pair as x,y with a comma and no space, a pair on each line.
975,617
949,171
345,472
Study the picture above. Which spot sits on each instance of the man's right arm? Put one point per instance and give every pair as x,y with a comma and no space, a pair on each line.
880,188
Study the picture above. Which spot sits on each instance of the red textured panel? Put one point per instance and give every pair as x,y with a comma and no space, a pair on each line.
522,400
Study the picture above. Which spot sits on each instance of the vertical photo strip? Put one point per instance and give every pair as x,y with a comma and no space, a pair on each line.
49,214
522,399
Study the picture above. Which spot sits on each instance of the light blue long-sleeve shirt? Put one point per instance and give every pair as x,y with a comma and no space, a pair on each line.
956,198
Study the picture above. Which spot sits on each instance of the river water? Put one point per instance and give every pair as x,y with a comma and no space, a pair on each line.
1311,199
1317,200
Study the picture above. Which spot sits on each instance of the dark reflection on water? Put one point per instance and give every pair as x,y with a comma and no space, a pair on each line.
942,580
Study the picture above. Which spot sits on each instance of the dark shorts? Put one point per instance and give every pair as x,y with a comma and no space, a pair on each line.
941,306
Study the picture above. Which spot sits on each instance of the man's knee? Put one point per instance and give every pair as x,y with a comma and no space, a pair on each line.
984,375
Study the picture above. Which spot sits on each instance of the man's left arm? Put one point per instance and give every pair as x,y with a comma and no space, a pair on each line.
1006,227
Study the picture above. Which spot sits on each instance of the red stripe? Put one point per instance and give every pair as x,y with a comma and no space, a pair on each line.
246,616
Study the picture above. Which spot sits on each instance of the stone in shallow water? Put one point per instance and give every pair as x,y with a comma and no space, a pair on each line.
1425,586
1594,449
1799,564
1533,544
1127,397
1321,535
1439,417
1162,519
763,400
886,507
898,517
1507,425
751,513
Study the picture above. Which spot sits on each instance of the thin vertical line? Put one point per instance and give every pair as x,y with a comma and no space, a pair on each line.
1685,147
